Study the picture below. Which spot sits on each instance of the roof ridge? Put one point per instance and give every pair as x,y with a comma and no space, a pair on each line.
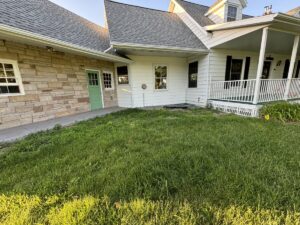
73,13
194,3
137,6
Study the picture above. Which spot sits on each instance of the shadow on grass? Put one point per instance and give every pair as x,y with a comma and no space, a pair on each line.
219,165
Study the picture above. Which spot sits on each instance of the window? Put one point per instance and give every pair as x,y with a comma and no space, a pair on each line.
161,73
93,79
10,80
231,13
236,69
123,75
193,74
108,80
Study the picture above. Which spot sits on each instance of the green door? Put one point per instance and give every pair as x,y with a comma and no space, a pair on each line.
95,90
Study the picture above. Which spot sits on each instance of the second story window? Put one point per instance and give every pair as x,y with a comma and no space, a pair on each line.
232,13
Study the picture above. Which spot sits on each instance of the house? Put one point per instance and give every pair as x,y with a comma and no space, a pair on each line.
54,63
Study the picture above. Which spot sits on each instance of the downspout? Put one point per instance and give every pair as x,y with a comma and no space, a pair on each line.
208,79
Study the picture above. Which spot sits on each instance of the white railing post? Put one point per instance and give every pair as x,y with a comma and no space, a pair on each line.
260,64
292,66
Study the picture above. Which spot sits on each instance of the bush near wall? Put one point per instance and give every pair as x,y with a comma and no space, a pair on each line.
282,111
25,210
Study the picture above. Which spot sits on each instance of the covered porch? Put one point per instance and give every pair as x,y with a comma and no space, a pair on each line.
274,74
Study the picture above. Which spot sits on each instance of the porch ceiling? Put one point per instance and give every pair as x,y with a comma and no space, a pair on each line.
278,42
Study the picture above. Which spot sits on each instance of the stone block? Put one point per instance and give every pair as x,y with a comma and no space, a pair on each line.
85,100
22,109
38,109
24,98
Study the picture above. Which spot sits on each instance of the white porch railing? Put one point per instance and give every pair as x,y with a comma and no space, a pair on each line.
295,89
243,90
272,90
235,91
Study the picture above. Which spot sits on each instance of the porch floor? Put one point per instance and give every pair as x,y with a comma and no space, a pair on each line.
15,133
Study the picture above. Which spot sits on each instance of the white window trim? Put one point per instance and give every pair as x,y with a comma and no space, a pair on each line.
272,67
243,68
227,10
117,76
112,80
18,77
193,61
154,77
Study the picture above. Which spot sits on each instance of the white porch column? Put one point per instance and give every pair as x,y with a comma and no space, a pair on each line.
292,66
260,64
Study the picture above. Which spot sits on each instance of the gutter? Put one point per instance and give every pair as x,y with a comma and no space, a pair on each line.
158,48
16,32
291,20
262,20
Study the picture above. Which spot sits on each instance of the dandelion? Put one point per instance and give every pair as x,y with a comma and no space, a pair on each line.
267,117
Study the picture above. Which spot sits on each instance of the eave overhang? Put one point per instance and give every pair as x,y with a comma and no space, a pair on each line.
134,46
293,23
40,40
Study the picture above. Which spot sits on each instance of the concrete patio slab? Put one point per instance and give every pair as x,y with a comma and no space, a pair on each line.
16,133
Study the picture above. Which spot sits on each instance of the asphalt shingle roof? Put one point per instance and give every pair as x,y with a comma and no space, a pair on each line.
138,25
198,11
46,18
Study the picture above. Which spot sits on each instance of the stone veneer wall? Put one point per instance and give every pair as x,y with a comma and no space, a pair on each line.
55,85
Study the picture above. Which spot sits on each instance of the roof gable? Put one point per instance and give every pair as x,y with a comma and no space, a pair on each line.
243,3
130,24
198,12
294,12
48,19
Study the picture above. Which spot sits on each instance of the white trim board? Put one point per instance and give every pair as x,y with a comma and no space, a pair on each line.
135,46
41,39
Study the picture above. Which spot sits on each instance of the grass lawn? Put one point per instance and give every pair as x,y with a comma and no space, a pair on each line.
154,167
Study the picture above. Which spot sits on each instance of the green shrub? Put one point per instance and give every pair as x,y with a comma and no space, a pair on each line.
282,111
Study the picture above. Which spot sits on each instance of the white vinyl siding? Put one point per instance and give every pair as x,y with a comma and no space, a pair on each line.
198,96
142,73
218,63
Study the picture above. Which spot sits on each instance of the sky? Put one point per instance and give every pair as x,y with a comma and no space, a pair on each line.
93,10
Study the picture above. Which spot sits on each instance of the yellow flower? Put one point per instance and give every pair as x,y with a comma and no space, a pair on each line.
267,117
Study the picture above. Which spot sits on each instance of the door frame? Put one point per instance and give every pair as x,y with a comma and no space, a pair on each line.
270,70
297,69
100,82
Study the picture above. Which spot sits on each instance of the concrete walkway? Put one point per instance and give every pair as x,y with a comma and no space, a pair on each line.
15,133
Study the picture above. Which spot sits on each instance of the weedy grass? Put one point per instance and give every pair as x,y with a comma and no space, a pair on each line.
282,111
155,167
